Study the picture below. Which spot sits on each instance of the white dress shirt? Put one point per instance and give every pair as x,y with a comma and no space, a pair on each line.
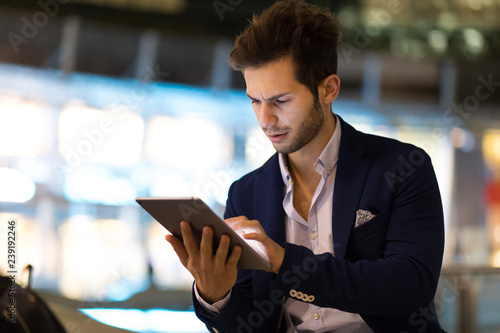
315,234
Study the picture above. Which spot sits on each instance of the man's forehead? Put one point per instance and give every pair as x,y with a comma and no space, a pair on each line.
276,76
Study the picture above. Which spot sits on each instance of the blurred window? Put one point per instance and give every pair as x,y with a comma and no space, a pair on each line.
95,184
168,271
25,127
16,186
100,259
188,143
88,135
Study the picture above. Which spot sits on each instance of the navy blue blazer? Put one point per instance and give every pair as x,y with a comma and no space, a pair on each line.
386,270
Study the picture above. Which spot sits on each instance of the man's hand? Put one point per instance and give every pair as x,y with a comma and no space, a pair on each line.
215,275
275,253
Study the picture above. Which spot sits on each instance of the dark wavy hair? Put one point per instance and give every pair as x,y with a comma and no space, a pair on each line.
308,33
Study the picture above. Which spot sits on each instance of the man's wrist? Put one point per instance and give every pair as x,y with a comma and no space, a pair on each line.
211,299
212,308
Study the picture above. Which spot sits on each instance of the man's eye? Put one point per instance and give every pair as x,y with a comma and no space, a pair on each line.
280,101
254,101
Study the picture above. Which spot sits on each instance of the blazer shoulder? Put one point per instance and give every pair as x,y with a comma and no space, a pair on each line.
402,165
375,147
380,147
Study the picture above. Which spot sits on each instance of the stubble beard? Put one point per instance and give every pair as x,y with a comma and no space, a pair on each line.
305,132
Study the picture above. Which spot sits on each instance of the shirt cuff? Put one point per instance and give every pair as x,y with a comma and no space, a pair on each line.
211,309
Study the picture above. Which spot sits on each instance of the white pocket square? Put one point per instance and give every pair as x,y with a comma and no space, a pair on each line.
362,216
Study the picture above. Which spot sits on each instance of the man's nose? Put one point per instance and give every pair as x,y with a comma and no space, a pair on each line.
267,115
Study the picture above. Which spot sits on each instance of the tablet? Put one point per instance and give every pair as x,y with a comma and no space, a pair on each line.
170,212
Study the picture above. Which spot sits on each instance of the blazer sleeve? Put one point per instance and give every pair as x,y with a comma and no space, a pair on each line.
400,280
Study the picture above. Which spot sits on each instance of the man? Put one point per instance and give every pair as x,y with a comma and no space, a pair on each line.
352,223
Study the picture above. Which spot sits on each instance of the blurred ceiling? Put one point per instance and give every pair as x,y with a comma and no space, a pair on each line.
184,38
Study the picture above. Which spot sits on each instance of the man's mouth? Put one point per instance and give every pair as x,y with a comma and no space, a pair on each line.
277,137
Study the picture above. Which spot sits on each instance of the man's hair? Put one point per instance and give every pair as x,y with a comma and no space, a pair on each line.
308,33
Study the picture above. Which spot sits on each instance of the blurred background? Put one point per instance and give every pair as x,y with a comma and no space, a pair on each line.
102,101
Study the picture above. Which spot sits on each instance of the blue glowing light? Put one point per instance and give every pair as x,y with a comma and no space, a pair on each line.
151,321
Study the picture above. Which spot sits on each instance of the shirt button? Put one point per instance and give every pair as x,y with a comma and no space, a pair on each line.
313,235
316,316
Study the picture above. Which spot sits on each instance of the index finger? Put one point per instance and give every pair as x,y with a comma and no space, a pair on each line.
233,220
247,226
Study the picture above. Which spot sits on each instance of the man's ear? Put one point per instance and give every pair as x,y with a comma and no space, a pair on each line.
328,89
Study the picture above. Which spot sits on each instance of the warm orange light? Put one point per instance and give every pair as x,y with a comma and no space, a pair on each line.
495,259
491,148
496,233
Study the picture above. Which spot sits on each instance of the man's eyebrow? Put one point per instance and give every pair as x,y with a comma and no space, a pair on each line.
272,98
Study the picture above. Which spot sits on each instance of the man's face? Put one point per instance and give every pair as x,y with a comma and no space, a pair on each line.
286,109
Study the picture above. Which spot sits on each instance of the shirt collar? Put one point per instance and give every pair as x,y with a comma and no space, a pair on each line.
326,161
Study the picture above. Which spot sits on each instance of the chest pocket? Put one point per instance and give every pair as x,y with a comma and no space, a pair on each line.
367,240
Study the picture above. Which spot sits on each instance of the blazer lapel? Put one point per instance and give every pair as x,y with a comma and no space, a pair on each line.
269,194
350,178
